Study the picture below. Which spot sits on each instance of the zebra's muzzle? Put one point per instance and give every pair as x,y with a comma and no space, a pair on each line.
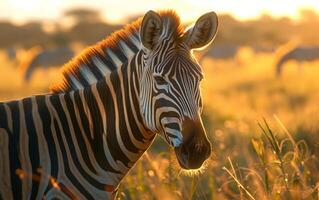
195,148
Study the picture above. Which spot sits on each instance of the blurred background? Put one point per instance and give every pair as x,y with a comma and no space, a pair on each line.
263,64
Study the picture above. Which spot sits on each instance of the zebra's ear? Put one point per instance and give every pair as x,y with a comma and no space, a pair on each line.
151,29
203,32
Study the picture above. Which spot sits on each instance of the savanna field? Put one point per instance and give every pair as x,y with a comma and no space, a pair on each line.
264,130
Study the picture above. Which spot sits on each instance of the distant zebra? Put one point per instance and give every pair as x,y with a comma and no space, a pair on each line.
80,141
38,57
11,53
298,53
220,51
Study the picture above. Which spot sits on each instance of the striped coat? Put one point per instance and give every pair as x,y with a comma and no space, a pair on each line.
81,140
61,139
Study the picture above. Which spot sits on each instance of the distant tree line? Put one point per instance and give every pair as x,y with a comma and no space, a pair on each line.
88,28
269,31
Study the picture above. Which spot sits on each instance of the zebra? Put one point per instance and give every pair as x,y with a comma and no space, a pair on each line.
80,140
219,52
39,57
11,53
297,53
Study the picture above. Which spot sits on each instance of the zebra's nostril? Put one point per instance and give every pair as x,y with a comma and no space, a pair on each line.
191,156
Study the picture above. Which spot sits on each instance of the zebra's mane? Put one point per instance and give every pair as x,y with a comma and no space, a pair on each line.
82,71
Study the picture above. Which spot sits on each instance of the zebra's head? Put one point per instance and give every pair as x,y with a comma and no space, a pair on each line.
170,99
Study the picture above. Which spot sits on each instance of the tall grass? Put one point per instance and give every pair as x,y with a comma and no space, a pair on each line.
249,161
273,167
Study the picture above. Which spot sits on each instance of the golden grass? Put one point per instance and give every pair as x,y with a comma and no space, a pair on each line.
276,160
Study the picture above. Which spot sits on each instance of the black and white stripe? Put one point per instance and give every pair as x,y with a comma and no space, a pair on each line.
80,142
84,140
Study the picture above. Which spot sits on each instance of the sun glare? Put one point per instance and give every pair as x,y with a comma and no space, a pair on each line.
115,12
25,5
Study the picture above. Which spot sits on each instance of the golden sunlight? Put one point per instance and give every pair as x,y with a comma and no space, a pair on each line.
115,11
257,104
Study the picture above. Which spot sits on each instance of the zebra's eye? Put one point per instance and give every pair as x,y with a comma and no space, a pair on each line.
160,80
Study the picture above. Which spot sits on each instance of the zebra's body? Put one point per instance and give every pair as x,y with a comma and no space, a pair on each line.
81,140
299,54
72,130
44,58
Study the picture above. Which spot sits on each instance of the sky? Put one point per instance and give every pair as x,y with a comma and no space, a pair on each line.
115,11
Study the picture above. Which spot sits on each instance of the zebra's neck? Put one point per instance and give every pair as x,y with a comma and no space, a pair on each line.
114,116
